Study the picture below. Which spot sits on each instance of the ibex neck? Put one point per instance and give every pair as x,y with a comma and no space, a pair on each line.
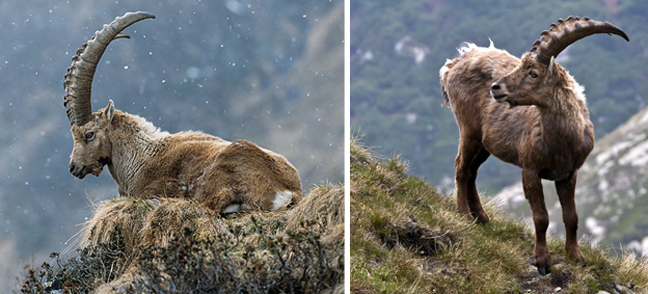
568,137
132,147
560,128
567,117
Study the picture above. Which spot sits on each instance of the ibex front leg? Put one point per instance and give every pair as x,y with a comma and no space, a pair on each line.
471,155
565,189
533,192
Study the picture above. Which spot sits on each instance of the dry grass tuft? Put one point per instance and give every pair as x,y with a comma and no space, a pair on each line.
124,216
175,245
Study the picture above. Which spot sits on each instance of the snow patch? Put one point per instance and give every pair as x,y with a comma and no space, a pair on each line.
637,156
644,119
597,230
612,151
603,185
639,138
511,197
639,246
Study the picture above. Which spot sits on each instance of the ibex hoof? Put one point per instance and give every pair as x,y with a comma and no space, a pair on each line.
543,269
580,261
577,255
481,217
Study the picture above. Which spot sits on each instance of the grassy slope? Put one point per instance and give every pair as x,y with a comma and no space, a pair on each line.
407,238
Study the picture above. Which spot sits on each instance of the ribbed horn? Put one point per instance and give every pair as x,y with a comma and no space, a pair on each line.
78,79
568,31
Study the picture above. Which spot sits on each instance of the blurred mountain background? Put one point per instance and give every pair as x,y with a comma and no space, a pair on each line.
398,49
271,72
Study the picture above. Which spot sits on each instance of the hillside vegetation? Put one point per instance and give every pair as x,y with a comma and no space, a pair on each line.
178,246
406,237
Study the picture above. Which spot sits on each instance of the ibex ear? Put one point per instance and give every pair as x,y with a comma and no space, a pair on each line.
552,64
551,70
110,110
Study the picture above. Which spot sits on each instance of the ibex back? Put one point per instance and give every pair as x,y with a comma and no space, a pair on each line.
148,163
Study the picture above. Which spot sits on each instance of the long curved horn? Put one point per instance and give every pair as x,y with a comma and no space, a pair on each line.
568,31
78,79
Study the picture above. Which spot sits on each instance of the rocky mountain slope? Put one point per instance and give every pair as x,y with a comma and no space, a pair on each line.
612,190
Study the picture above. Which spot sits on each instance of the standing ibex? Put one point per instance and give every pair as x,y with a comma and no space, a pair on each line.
544,126
145,162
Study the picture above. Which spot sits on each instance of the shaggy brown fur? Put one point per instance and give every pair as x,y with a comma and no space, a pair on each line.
147,163
528,113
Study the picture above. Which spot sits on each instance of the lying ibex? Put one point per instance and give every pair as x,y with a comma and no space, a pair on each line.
146,162
529,112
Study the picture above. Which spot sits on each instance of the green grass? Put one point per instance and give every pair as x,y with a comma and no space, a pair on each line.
408,238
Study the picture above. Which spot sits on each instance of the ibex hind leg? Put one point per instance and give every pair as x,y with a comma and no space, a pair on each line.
471,155
251,176
474,202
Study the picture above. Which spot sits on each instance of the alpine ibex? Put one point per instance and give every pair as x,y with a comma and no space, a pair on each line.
146,162
529,112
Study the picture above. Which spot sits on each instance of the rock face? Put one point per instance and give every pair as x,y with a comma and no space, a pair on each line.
612,190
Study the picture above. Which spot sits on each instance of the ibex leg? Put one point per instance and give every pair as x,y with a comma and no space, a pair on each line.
533,192
471,155
565,189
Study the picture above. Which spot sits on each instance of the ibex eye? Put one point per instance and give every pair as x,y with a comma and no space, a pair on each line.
533,74
89,135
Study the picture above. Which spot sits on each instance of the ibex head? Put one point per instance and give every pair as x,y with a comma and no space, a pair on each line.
91,131
92,144
534,80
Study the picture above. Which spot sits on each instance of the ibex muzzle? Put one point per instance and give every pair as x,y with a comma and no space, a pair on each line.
498,92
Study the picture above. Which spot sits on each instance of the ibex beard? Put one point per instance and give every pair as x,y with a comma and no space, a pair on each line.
148,163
